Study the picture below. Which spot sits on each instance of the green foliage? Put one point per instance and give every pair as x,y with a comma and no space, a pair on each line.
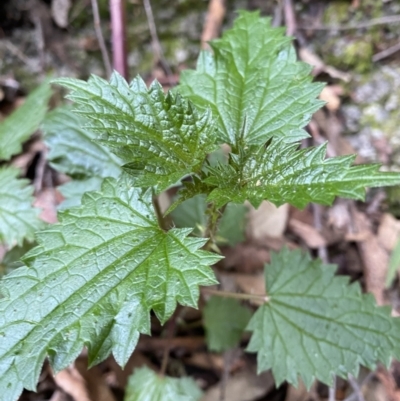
18,219
224,320
74,151
72,148
160,138
254,85
316,325
282,174
145,385
95,277
192,213
93,280
19,126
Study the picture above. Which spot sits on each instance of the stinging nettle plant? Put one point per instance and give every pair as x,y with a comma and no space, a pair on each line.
95,276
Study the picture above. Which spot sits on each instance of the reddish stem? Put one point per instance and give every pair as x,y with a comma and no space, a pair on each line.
118,33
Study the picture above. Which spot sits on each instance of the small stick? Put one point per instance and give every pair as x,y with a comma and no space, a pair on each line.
100,38
390,19
155,41
215,17
290,19
356,388
353,396
386,53
118,34
332,390
171,330
236,295
317,212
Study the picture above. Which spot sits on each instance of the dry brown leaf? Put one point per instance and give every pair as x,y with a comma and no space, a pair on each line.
156,343
244,386
47,201
251,284
96,386
374,257
299,393
388,391
389,232
245,258
330,95
206,360
309,234
266,221
72,382
59,12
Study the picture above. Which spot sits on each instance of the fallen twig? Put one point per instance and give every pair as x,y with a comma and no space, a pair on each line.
100,38
386,53
390,19
155,42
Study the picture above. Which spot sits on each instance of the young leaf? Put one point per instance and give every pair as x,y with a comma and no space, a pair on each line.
18,219
282,174
18,127
73,149
192,213
316,325
160,138
93,280
253,84
145,384
224,320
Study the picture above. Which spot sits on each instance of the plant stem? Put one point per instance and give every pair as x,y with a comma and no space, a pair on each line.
118,34
214,217
227,294
171,330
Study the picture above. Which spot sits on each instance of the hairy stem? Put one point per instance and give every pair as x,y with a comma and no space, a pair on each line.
214,217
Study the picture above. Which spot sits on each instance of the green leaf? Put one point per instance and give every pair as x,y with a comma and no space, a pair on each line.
145,384
192,213
73,191
232,227
224,320
19,126
73,149
316,325
283,174
253,84
18,219
160,138
92,281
